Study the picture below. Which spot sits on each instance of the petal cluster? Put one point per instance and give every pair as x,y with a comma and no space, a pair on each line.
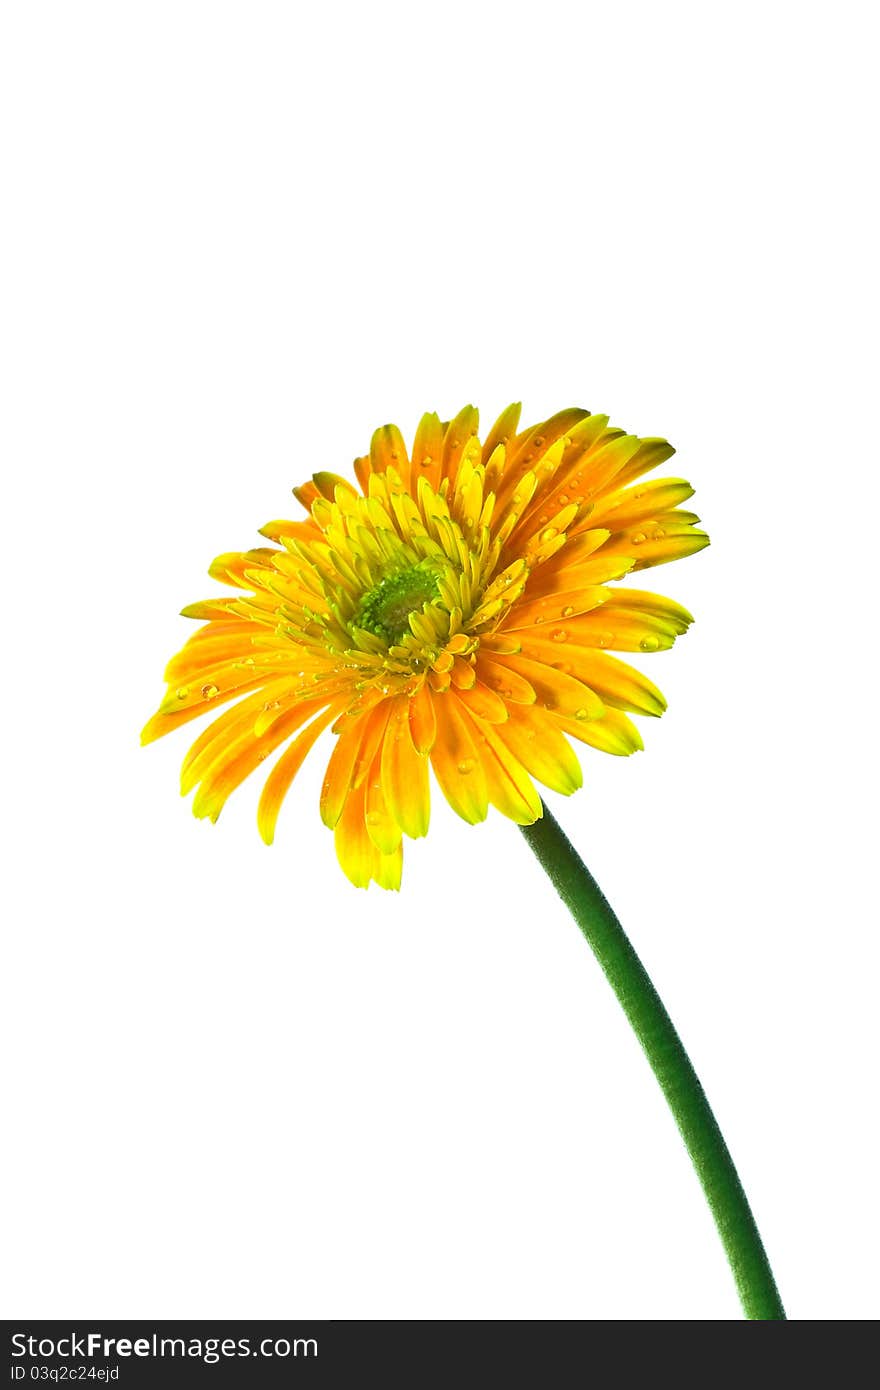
455,609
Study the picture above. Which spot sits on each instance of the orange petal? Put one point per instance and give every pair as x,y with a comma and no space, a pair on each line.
613,733
382,828
288,765
482,702
234,764
164,721
422,720
359,858
388,450
556,689
342,767
427,457
404,774
456,436
509,684
456,761
543,751
504,429
617,684
508,785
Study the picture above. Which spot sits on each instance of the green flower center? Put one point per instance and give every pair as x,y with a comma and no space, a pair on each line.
385,610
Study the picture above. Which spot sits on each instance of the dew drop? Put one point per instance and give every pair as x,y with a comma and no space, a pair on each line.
538,440
567,611
649,644
562,498
182,692
581,714
560,635
426,461
548,535
637,537
467,765
373,818
209,691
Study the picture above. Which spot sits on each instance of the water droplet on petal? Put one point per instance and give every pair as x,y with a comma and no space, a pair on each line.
549,534
581,714
467,765
562,498
567,611
649,644
427,461
182,692
538,440
209,691
637,537
560,635
373,818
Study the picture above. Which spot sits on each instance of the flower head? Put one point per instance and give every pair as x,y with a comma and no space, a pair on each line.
456,610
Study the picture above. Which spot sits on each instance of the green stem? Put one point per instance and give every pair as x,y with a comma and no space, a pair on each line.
670,1063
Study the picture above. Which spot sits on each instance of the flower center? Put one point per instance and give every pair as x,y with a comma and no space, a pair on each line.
385,609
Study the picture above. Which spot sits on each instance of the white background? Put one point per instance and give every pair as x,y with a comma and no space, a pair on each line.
236,238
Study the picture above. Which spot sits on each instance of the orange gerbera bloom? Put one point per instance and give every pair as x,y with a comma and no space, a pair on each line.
456,611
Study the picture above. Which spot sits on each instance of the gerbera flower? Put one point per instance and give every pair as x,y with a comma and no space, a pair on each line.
456,610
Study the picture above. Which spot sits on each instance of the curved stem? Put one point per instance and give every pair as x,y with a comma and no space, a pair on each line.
670,1063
